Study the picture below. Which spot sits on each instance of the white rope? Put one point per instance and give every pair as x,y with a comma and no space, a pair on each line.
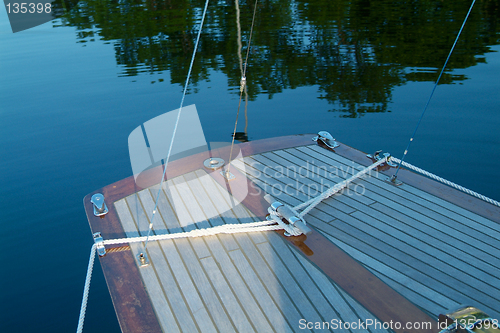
447,182
338,187
221,229
275,223
86,289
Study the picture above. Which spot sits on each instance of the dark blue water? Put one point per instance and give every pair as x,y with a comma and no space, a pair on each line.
67,108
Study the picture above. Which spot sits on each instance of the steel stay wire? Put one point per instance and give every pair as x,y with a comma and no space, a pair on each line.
83,308
394,177
176,124
242,88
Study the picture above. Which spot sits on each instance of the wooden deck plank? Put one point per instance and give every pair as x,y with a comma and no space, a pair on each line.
436,259
430,198
412,267
239,210
163,274
199,218
190,293
331,292
485,249
278,190
140,219
266,184
488,262
227,212
468,234
290,284
433,233
260,293
307,187
147,201
485,271
397,276
166,210
162,308
258,319
425,298
314,295
317,171
171,290
196,272
126,218
184,217
231,304
475,246
421,295
422,198
341,202
273,285
207,205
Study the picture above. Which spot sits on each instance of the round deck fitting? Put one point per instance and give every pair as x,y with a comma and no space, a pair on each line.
213,163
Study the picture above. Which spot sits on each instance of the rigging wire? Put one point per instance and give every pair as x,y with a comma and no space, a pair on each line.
242,88
176,124
394,177
240,58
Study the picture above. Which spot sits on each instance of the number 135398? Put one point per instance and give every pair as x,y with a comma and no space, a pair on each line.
28,8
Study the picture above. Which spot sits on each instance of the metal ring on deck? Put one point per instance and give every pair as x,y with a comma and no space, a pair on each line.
214,163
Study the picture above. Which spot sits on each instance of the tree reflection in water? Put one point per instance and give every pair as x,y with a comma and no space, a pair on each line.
355,51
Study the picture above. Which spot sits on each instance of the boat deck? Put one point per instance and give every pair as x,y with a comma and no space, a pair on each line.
434,253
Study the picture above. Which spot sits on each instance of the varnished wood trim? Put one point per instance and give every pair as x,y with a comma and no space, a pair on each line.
120,270
132,305
179,167
370,291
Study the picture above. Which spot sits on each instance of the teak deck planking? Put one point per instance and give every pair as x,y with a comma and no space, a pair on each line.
431,259
424,247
